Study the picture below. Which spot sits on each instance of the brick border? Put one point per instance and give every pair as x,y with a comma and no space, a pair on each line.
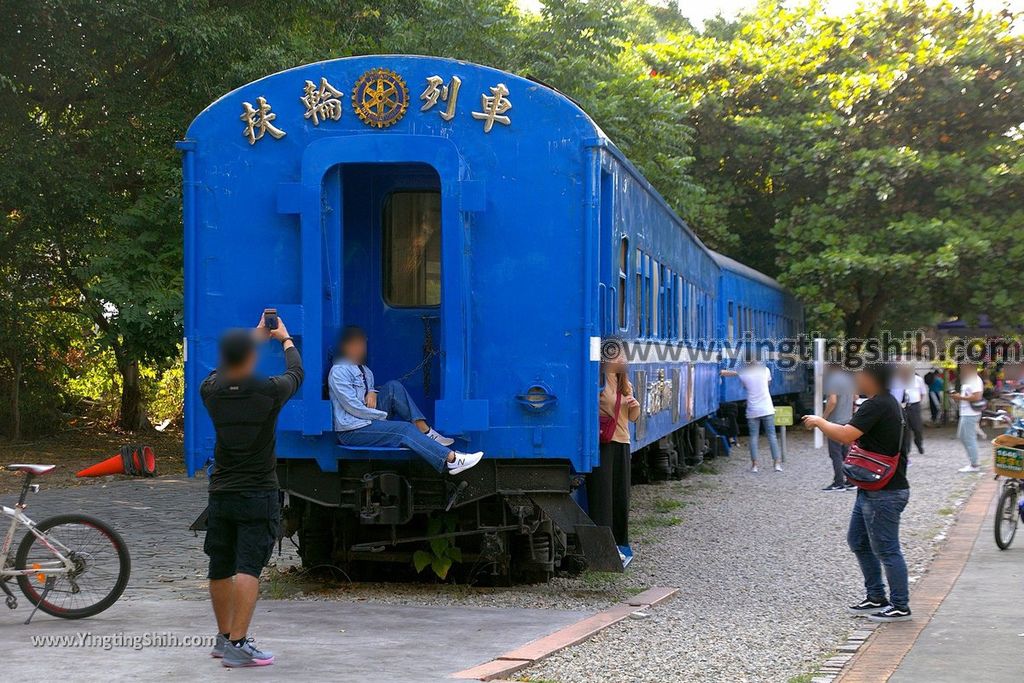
534,651
883,652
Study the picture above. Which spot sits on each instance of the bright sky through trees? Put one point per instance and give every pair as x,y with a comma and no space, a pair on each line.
699,10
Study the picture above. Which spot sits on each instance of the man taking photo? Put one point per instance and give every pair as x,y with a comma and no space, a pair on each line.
244,508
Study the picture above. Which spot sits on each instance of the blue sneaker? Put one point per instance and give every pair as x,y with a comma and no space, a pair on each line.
246,654
221,644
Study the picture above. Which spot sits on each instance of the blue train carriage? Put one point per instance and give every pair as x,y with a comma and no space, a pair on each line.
754,306
658,293
470,220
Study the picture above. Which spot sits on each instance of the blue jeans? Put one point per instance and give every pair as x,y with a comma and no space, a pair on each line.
754,425
394,399
965,431
874,537
391,434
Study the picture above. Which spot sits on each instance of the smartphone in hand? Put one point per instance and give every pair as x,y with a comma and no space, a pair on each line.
270,318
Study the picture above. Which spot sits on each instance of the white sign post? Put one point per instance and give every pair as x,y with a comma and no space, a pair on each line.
819,393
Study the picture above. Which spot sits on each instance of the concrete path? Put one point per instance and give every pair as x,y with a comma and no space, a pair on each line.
336,641
978,631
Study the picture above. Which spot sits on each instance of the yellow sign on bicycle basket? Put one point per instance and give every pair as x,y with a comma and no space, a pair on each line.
1008,452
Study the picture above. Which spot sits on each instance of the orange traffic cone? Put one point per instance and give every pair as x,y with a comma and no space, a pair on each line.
112,465
134,460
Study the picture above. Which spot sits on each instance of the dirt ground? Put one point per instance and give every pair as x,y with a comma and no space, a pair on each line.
75,450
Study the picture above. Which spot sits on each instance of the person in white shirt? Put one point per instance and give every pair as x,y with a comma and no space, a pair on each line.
914,391
971,397
756,379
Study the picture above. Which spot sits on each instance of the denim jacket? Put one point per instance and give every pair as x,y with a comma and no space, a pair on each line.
348,387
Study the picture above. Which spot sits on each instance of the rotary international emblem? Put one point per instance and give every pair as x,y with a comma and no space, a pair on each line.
380,98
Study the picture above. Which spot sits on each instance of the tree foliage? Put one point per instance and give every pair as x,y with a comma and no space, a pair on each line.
871,161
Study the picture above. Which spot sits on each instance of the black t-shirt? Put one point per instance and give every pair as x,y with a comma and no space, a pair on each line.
244,416
881,419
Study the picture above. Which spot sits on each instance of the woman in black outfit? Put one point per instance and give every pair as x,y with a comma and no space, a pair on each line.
874,533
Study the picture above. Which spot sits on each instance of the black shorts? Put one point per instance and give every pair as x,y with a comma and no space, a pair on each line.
241,532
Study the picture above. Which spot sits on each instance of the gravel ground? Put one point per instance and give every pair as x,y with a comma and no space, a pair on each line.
763,567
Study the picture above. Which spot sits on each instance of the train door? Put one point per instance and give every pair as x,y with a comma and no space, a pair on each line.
610,287
391,271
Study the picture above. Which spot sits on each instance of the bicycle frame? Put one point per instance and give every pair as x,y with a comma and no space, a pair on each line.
59,565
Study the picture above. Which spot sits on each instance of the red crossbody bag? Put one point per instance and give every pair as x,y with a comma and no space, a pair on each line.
869,470
608,423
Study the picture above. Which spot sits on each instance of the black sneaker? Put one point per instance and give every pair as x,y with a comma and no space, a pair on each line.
834,487
868,606
891,613
851,487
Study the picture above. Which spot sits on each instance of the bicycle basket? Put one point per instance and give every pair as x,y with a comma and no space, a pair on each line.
1008,452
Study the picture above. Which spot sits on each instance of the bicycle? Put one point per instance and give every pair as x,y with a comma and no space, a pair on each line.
1009,464
70,566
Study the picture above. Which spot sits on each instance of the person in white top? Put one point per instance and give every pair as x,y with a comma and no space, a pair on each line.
971,397
914,391
756,379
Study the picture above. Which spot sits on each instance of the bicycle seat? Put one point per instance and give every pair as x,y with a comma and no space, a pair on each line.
32,469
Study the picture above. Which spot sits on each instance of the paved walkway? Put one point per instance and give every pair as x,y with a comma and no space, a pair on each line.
338,641
978,631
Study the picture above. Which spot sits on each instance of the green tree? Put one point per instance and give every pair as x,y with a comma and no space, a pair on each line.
867,159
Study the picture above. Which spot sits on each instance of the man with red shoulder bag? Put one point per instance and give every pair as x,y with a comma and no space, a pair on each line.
877,466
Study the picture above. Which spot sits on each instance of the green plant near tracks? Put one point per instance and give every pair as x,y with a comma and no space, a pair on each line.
443,551
665,505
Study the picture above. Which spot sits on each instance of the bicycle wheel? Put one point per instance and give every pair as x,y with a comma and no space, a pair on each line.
1006,517
101,566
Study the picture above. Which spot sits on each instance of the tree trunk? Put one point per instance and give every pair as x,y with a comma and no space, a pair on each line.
131,415
16,400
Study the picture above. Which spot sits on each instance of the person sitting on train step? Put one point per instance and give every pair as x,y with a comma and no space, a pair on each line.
362,412
756,379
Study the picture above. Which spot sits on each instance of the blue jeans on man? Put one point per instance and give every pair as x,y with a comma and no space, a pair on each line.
398,431
754,426
874,537
394,399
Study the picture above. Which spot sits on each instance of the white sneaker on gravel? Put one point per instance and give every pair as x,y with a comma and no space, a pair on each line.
969,468
440,438
753,469
778,467
463,461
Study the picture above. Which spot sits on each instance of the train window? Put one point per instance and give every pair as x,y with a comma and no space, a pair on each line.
694,313
655,298
412,249
639,298
680,332
729,330
666,308
623,282
648,294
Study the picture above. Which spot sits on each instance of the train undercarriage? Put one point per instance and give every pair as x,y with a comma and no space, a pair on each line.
504,522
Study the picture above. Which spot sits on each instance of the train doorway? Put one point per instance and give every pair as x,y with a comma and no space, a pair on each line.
390,224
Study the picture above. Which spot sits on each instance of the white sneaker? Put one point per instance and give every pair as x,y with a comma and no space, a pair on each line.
778,467
969,468
463,461
753,469
440,438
